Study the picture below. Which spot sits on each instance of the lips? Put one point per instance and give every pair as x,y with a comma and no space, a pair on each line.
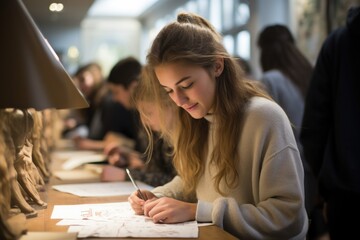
191,107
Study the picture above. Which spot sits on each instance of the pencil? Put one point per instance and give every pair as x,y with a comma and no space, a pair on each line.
142,196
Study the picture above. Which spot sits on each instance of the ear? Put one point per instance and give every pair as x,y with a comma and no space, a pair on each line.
219,66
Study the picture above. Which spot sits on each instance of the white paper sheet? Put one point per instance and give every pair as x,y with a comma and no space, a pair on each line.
118,220
103,189
76,161
66,154
77,174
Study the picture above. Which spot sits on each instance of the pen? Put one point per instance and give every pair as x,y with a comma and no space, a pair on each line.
135,185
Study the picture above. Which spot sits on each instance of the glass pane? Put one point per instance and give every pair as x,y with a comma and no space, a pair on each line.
228,6
191,6
203,8
242,13
228,41
215,14
243,44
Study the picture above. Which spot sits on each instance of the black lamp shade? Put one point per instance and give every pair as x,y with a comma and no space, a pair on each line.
31,75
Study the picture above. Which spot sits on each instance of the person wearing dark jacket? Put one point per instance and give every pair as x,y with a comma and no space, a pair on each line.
331,130
115,120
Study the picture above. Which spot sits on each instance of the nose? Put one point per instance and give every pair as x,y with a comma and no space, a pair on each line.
179,98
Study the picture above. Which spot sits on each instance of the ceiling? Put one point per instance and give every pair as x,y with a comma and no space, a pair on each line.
73,13
76,10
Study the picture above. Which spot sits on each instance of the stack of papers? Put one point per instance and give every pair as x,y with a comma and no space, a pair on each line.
117,220
77,174
102,189
77,161
74,159
66,154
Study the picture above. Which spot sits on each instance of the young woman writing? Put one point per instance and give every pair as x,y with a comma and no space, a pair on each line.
234,150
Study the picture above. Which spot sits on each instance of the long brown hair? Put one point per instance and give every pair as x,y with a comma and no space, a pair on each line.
144,92
192,40
279,51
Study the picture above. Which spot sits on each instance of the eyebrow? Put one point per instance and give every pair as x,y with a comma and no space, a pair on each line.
180,81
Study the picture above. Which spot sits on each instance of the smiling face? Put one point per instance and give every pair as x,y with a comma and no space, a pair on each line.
190,87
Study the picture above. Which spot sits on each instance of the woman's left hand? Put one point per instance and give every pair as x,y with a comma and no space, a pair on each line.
169,210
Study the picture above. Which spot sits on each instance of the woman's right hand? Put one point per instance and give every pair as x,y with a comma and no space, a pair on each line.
111,148
115,155
137,203
112,174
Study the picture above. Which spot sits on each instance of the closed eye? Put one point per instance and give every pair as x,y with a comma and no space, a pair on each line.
169,90
188,86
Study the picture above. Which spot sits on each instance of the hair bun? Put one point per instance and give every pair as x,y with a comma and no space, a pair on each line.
184,17
192,18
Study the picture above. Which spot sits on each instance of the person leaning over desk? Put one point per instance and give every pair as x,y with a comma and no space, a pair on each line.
115,120
235,153
158,169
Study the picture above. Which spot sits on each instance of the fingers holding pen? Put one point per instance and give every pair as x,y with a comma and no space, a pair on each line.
137,203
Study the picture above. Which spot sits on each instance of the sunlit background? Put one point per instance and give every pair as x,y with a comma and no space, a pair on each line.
81,31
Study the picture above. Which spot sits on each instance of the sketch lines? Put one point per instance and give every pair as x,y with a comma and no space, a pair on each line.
117,220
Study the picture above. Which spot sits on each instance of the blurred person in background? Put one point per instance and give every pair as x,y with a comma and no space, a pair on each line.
113,119
90,81
330,127
286,77
156,168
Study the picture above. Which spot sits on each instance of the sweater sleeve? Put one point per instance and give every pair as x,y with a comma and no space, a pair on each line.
275,216
226,214
269,202
173,189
